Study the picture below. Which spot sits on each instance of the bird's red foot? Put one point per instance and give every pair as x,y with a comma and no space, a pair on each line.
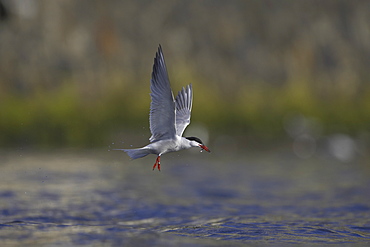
157,163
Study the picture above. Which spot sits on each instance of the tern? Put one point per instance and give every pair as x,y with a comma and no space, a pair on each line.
169,116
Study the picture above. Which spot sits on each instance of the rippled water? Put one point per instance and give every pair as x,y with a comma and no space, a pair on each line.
198,199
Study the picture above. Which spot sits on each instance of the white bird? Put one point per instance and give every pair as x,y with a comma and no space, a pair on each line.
168,116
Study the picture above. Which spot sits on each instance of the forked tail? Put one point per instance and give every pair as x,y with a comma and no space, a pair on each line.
136,153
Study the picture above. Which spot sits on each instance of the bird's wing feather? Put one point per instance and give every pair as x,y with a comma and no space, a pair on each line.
162,107
184,101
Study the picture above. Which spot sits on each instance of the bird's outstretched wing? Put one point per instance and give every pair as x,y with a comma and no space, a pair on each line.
184,101
162,107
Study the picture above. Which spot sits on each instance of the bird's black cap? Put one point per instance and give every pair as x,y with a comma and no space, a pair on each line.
195,139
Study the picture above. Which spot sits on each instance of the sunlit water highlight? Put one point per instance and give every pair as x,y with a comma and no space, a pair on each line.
197,199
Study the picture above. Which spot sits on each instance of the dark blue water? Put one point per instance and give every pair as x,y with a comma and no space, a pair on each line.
266,198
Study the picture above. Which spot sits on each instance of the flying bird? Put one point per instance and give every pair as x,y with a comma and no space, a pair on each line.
169,116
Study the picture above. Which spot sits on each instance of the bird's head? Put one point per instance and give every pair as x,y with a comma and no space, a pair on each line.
196,142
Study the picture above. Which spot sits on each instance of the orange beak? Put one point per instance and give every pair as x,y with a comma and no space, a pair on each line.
205,148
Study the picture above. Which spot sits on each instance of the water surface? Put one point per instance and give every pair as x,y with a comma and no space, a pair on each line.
198,199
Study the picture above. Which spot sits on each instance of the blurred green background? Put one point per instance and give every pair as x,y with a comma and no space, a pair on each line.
76,73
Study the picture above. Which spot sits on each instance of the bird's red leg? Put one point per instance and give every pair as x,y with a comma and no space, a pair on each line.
157,162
